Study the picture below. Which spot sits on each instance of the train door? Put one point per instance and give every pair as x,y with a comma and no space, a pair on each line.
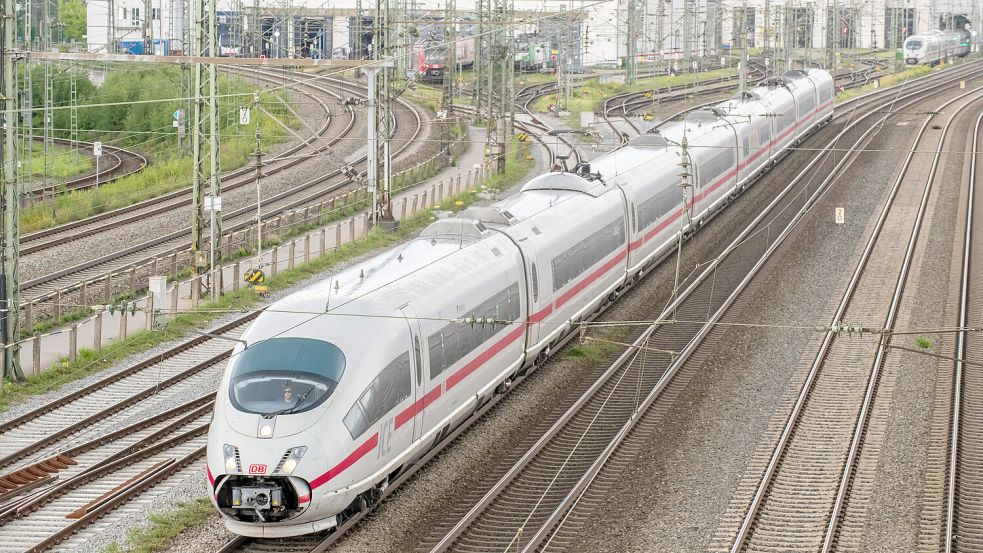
535,293
420,371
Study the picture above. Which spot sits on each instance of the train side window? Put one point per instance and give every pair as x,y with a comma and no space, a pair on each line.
716,166
419,360
578,258
535,284
437,359
457,339
387,390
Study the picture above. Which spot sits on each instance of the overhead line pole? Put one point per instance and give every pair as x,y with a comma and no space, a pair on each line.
631,45
205,109
10,206
384,43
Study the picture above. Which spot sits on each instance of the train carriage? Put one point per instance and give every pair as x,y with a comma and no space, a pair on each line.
647,170
336,389
573,236
375,408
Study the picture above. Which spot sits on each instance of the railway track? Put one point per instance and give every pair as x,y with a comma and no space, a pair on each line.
621,107
320,541
963,528
534,504
535,127
80,446
497,528
120,163
62,234
40,446
558,152
803,496
321,186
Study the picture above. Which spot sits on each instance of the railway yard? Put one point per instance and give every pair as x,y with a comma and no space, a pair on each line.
756,322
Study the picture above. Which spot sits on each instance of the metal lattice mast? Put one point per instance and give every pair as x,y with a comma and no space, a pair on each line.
687,28
188,45
501,78
27,98
358,48
766,29
480,58
744,56
385,41
450,57
111,26
205,110
10,206
49,143
494,36
631,45
73,110
256,47
562,65
147,27
238,30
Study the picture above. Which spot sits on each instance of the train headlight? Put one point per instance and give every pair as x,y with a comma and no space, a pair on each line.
291,458
231,458
265,427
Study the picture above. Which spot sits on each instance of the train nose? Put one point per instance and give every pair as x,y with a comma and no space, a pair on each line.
262,499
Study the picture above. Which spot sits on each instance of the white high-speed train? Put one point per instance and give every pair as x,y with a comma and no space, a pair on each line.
936,46
341,386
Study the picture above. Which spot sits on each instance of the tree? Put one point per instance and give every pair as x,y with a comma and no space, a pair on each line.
72,14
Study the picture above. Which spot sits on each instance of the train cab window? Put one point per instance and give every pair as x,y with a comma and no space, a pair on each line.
387,390
285,375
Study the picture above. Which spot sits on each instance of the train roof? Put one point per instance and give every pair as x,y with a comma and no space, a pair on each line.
384,283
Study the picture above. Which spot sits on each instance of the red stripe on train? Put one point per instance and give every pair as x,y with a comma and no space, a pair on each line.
485,356
353,457
418,406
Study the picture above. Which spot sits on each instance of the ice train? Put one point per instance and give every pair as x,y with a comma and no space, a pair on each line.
936,46
338,388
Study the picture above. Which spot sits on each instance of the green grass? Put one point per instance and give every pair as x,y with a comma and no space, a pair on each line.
591,95
885,82
164,527
62,159
169,171
603,342
425,95
90,361
923,342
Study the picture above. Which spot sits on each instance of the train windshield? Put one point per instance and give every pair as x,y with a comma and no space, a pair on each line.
285,375
913,44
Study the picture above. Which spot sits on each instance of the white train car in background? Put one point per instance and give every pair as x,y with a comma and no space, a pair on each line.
936,46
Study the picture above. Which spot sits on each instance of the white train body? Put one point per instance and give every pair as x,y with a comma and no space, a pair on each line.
936,46
343,385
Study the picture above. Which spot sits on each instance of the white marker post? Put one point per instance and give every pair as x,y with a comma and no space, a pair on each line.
97,151
840,216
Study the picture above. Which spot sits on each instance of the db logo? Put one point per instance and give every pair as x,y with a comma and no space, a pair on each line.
257,469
